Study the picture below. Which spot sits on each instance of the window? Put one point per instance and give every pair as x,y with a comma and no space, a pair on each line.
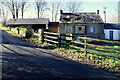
80,28
67,16
92,29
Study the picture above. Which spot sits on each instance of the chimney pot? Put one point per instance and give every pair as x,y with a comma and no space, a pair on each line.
97,11
61,11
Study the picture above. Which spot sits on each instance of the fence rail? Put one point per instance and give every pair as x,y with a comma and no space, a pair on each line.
60,39
107,41
51,33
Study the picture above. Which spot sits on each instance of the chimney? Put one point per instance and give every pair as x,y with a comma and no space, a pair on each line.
61,11
97,11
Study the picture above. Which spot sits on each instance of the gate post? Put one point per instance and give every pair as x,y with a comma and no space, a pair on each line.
85,46
59,40
41,35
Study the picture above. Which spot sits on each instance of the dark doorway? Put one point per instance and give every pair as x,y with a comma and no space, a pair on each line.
111,35
38,26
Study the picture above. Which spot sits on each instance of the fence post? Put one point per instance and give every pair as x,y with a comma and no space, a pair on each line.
10,28
85,46
41,35
59,40
71,38
63,37
18,30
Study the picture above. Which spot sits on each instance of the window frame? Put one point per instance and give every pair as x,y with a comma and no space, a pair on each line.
80,30
92,29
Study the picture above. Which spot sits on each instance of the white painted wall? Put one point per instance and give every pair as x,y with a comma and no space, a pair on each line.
119,34
106,34
116,34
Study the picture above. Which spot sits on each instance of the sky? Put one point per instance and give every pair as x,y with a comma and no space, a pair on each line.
87,6
111,11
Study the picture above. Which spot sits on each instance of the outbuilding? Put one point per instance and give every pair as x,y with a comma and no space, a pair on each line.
35,23
112,31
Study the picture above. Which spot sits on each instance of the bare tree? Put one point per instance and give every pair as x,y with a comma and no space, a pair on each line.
73,6
55,7
13,6
17,8
40,6
23,3
2,13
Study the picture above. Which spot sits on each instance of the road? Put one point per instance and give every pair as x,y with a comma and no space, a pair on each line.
20,59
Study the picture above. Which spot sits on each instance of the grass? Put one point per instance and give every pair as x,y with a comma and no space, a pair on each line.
3,28
107,63
107,51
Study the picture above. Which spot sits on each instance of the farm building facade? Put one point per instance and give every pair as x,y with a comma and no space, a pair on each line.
83,24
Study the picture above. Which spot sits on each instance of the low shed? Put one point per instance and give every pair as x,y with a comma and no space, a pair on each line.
35,23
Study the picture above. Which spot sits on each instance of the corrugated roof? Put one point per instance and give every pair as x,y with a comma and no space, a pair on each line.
81,17
111,26
28,21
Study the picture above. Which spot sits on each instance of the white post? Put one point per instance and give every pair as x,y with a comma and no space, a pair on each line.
41,36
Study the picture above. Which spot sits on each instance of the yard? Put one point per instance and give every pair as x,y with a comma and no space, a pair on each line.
107,63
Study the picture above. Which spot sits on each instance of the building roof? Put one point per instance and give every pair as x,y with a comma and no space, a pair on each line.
111,26
81,17
27,21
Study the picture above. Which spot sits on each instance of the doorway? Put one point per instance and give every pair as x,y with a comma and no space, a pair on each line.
111,35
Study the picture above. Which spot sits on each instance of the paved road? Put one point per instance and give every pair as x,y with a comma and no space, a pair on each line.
22,60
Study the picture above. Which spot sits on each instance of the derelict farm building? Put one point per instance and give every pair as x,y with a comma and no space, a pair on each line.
83,24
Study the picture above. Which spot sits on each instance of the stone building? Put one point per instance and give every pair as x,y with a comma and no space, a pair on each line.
83,24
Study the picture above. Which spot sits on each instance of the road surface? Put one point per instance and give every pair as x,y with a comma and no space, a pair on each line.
20,59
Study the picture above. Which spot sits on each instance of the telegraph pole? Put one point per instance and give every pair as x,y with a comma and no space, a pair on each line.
105,13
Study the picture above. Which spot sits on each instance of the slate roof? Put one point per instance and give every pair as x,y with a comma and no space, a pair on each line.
111,26
27,21
81,17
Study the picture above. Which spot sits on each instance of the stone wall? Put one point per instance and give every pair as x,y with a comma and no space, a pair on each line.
28,33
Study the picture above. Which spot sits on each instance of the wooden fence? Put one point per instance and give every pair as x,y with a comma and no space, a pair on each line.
60,39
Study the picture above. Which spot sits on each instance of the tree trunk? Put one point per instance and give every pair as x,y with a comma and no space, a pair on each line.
13,15
38,14
22,13
16,14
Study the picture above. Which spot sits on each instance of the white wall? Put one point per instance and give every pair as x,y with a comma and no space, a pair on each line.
116,34
119,34
106,34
